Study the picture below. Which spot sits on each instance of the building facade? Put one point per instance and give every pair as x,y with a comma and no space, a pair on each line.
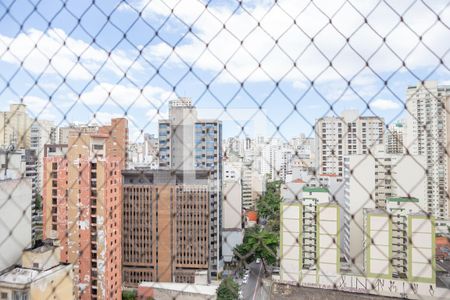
428,129
40,275
189,143
349,134
15,127
166,224
310,235
370,181
396,138
399,244
82,197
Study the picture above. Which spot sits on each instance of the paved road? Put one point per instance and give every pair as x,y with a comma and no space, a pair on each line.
254,289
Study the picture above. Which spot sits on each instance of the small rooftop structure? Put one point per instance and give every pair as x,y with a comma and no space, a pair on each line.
315,189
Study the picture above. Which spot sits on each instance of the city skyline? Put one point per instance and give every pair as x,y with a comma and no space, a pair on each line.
224,150
144,91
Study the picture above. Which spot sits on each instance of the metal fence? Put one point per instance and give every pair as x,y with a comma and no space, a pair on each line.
328,118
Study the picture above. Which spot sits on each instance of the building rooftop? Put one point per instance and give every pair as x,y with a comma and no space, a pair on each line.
402,199
315,189
209,290
19,276
25,276
377,211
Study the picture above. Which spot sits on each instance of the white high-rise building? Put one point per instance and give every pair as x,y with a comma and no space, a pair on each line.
345,135
428,129
370,181
396,137
42,133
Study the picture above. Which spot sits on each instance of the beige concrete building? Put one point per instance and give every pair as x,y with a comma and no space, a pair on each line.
15,127
39,276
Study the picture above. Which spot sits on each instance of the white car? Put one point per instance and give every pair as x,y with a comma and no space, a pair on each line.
244,281
258,260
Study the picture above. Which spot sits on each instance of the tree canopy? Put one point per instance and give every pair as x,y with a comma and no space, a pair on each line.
258,243
228,289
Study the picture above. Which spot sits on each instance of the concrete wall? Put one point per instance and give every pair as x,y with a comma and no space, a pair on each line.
232,205
15,222
56,285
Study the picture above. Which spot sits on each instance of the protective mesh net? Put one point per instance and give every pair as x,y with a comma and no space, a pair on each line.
271,147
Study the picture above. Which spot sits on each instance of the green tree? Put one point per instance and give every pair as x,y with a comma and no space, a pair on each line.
258,243
228,289
129,295
38,202
268,206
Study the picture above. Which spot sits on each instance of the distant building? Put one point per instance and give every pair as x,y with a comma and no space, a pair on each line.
396,138
15,127
187,142
40,275
165,228
428,134
144,155
82,197
349,134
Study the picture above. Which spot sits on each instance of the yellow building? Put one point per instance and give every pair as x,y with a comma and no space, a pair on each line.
40,276
15,127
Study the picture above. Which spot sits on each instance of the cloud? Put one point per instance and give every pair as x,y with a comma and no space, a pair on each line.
262,43
53,52
384,104
126,96
38,107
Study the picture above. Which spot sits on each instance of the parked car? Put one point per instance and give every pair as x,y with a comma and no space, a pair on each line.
258,260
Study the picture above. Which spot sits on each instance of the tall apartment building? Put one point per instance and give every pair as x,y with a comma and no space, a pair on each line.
42,132
82,197
15,127
189,143
370,180
396,138
348,134
428,129
310,235
166,226
400,243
